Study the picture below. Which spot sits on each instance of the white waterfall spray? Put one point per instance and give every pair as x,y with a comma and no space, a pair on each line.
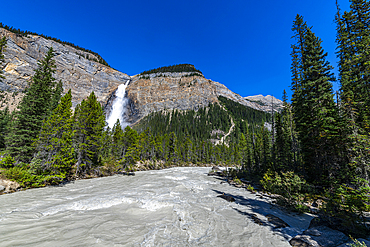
119,107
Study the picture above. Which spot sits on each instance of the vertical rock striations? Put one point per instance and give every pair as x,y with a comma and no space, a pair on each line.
183,91
74,67
79,72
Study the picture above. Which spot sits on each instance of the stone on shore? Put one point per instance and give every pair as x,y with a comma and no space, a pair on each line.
276,221
10,186
319,236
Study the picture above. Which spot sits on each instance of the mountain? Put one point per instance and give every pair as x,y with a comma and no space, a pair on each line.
267,103
80,70
77,69
184,91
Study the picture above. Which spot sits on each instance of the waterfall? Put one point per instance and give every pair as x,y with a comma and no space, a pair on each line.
119,107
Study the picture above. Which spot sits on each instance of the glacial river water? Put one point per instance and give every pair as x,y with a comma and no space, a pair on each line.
172,207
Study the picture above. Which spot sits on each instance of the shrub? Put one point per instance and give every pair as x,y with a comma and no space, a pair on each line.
237,180
26,179
289,185
357,243
348,205
7,162
250,188
19,174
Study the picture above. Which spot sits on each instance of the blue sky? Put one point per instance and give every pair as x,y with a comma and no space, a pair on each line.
243,44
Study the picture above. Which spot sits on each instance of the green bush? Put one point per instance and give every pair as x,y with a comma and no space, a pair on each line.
348,205
7,162
289,185
237,180
250,188
357,243
26,179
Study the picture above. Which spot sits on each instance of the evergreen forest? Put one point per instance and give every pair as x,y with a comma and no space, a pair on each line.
316,149
174,68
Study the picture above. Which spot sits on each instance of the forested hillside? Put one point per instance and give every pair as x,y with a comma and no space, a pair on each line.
174,68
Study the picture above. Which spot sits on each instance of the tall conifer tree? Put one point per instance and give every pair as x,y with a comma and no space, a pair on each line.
33,109
55,150
89,125
353,45
313,104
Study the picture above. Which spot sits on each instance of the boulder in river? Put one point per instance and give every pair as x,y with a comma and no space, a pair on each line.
216,168
227,198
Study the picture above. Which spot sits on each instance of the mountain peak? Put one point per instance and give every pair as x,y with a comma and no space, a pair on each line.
267,101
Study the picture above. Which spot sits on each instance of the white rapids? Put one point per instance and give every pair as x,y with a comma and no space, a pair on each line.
172,207
119,107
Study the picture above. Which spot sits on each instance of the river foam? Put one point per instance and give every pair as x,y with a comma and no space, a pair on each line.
172,207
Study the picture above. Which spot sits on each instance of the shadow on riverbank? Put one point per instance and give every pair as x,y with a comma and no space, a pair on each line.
260,211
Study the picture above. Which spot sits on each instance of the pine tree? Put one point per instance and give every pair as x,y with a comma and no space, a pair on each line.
89,125
353,44
130,138
243,145
117,141
353,39
107,145
56,96
5,118
315,112
33,109
280,162
55,152
173,151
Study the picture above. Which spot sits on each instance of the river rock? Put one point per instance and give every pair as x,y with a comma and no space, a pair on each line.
320,236
227,198
9,185
303,241
276,221
257,220
2,188
216,168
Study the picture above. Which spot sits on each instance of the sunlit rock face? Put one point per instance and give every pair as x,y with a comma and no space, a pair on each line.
182,91
77,73
168,91
267,103
143,95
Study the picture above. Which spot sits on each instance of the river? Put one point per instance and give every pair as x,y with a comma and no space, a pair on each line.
171,207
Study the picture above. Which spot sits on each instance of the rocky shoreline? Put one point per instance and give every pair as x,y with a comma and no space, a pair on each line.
318,233
8,186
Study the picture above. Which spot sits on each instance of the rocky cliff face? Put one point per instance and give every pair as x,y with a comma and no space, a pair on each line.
266,103
79,74
146,93
183,91
157,92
